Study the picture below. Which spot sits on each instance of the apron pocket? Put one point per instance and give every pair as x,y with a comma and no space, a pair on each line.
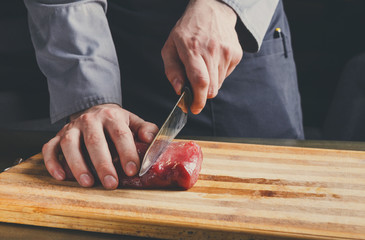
271,47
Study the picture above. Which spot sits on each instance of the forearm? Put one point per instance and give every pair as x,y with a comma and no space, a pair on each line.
75,51
254,17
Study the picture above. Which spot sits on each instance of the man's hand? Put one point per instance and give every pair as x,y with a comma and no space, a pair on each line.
91,127
204,48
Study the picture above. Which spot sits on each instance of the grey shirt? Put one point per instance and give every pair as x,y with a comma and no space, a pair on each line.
75,49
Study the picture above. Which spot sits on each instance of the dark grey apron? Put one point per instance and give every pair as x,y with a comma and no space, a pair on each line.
259,99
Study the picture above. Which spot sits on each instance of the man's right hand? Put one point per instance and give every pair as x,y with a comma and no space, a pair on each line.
91,127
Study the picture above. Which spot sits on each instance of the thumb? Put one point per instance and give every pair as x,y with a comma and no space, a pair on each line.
174,68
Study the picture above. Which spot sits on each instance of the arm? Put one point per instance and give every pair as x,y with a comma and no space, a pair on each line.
75,51
204,46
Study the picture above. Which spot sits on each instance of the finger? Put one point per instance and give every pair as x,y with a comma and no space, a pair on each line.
197,73
236,59
70,144
222,71
123,140
212,67
174,69
50,153
97,147
145,131
198,76
230,69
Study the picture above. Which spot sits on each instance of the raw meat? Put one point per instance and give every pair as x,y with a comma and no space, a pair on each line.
177,167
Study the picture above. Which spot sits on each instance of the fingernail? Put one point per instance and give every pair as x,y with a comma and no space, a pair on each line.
110,182
59,175
130,168
85,180
177,85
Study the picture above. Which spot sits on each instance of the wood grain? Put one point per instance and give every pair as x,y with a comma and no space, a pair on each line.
244,191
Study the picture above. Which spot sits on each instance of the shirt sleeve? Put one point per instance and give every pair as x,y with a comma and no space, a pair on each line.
254,20
75,51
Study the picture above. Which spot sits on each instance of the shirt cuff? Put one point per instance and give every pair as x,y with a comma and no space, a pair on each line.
61,114
75,51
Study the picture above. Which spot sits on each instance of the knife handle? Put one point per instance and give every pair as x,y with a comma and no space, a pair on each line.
187,98
187,86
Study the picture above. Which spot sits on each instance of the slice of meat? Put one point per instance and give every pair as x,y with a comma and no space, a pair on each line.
177,167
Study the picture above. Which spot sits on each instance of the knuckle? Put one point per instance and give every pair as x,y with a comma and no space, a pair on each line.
84,117
150,127
92,139
194,44
45,148
201,81
178,34
154,127
120,132
66,139
86,120
110,113
212,47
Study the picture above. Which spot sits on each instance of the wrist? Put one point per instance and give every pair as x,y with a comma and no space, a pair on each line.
78,114
228,10
219,6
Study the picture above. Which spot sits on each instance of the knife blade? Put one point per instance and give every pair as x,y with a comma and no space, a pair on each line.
169,130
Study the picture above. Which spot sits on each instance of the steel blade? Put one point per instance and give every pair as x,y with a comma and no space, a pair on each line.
169,130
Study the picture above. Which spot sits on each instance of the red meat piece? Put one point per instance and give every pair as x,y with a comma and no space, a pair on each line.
177,167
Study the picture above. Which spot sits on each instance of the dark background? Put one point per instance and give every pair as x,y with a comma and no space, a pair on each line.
23,89
325,35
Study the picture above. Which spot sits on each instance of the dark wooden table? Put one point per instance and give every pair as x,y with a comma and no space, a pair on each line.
23,144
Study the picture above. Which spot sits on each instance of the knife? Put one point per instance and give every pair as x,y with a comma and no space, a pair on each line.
171,127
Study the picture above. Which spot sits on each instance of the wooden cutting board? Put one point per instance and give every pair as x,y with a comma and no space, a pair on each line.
244,191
